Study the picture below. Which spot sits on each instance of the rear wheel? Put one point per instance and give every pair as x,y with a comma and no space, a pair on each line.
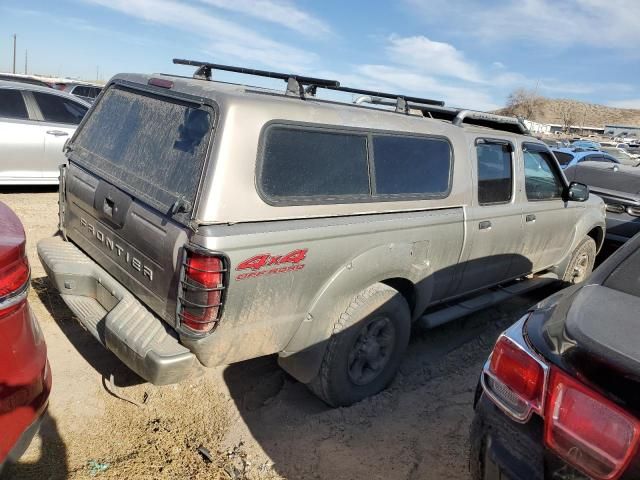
581,264
366,348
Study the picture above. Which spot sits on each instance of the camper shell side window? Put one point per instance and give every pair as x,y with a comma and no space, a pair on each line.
303,164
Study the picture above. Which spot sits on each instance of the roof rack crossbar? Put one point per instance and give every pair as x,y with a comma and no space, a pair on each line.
394,96
205,68
409,105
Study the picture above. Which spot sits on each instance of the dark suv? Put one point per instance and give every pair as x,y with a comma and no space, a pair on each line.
559,396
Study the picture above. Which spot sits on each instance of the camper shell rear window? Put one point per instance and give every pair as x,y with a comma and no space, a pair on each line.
302,164
152,146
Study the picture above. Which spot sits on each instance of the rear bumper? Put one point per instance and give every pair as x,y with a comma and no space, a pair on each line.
502,449
117,319
24,441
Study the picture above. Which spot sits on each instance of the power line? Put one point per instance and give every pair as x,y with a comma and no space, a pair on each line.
14,53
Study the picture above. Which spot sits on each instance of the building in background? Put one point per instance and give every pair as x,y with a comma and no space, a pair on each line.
622,131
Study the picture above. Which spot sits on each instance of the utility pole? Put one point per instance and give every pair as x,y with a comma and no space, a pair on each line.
14,53
26,57
98,72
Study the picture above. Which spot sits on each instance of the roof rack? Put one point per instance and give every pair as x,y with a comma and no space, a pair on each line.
301,86
296,83
457,116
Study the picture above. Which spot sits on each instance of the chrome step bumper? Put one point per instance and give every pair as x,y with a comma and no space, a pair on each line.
114,316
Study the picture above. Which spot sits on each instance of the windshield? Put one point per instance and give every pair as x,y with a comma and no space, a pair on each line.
625,277
151,146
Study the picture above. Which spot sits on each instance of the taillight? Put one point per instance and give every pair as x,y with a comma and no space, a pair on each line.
514,378
587,430
14,282
202,291
518,371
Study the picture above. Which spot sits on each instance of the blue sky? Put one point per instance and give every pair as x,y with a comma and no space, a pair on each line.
470,53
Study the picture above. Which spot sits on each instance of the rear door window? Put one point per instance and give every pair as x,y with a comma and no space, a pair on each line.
57,109
591,158
563,158
81,91
151,146
495,173
12,104
411,165
313,163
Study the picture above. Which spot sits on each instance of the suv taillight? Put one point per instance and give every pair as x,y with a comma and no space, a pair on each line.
202,291
14,283
587,430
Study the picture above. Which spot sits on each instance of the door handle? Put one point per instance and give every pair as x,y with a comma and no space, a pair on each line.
485,225
530,218
57,133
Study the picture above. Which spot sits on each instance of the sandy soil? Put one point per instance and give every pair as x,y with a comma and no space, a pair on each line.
254,421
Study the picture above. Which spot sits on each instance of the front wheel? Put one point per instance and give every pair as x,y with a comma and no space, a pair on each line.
581,262
366,348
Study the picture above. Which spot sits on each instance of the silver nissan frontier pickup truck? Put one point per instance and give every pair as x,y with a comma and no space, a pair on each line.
204,223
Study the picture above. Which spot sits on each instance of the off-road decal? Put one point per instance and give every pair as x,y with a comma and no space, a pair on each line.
281,263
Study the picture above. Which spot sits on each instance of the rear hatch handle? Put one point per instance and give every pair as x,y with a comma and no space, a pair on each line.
180,205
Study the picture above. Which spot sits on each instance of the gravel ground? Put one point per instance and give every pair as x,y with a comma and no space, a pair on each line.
254,421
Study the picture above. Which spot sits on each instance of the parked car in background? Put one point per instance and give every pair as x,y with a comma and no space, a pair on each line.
8,77
354,221
623,155
34,124
619,186
570,156
586,144
25,377
558,396
84,91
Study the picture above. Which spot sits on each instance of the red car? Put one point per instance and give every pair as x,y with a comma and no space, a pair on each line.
25,378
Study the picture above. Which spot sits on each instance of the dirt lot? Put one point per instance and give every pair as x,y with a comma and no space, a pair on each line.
254,420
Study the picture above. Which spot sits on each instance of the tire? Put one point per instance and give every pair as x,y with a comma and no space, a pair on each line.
366,347
581,263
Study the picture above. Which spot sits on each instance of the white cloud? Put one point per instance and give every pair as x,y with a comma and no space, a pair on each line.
608,24
223,38
281,12
629,103
437,58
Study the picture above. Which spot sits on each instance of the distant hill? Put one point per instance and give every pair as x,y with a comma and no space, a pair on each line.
548,110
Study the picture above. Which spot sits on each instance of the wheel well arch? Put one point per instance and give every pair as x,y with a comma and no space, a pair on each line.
406,288
597,233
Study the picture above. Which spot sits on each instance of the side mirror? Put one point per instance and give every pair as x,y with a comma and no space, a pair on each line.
577,192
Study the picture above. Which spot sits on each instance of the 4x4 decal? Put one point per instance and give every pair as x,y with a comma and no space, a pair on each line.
281,263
